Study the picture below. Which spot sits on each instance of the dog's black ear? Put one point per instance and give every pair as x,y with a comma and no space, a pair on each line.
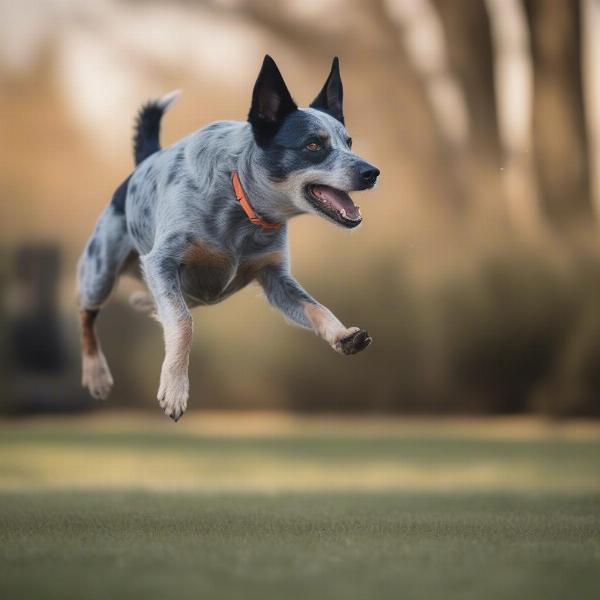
271,102
331,97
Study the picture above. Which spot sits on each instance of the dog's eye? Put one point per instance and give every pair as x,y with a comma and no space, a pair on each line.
349,143
313,146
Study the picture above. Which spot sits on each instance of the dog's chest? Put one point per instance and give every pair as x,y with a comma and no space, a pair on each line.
209,275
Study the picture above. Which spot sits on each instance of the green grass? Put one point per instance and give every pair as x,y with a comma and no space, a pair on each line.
106,510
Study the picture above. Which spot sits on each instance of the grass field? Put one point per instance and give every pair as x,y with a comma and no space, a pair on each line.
265,506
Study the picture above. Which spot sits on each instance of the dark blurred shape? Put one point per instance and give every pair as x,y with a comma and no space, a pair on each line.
42,380
36,337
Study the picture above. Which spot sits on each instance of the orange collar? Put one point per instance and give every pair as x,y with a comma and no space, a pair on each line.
243,200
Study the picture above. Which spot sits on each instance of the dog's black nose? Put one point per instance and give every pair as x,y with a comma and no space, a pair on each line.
369,174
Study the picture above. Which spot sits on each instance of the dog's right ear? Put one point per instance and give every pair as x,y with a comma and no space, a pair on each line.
271,102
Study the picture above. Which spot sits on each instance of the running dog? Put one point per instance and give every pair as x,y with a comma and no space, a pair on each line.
201,219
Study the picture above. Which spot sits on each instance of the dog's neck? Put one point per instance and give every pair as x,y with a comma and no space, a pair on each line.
270,204
242,198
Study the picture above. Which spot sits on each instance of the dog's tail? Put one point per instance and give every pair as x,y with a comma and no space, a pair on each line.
147,126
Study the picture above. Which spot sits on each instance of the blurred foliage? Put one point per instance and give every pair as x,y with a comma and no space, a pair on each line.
477,270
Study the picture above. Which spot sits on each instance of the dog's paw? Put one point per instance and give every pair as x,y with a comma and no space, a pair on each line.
95,376
173,395
355,342
142,302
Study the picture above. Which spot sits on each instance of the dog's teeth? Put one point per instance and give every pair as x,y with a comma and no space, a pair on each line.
343,213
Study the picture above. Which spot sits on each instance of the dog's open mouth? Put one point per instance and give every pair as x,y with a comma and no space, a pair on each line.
335,204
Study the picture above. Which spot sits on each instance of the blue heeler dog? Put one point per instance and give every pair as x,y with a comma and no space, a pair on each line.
203,218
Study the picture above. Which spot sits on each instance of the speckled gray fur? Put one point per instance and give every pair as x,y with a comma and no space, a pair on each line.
181,197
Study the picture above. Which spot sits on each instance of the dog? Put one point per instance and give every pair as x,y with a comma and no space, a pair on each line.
201,219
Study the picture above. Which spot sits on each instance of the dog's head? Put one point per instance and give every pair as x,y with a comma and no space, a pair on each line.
307,153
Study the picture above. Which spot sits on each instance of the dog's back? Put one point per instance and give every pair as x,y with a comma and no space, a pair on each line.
186,187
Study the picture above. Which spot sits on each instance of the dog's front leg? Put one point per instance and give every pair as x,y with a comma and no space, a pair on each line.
286,294
162,277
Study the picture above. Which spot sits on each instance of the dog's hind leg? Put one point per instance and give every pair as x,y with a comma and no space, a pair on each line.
140,300
95,374
98,270
162,277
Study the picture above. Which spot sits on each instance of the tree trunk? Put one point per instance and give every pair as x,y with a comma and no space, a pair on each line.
468,41
469,47
559,130
514,104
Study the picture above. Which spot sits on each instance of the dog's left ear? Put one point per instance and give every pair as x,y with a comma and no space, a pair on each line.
330,98
271,102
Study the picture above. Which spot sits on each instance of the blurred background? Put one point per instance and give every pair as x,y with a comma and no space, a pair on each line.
477,269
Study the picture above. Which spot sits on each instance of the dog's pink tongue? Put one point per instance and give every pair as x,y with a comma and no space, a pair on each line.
338,200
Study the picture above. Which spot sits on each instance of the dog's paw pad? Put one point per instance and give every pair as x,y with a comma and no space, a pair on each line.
174,413
355,342
174,409
173,397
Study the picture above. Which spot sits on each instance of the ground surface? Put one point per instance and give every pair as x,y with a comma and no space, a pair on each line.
268,507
